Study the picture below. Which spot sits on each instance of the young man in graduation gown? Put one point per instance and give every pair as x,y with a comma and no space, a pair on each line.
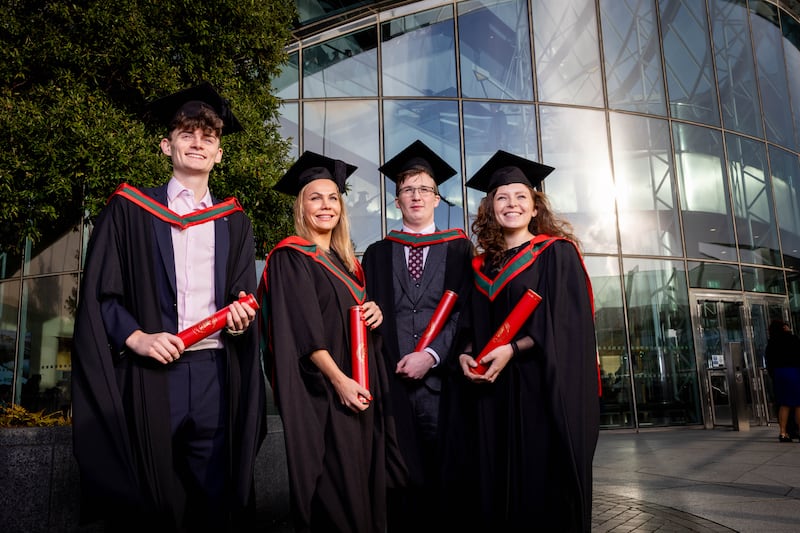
166,435
408,289
526,428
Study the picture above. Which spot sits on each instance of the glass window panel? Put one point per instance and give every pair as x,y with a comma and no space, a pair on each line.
735,68
763,280
48,320
418,54
756,231
793,287
648,218
708,275
9,299
289,126
10,263
489,127
632,56
436,124
58,250
88,226
580,188
348,130
662,349
344,66
786,192
771,72
615,402
791,51
689,65
495,49
286,84
703,188
567,52
309,11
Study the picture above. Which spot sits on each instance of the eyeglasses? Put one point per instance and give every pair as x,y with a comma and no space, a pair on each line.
423,191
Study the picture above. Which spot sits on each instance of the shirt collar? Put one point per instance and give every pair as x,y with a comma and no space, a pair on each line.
175,189
425,231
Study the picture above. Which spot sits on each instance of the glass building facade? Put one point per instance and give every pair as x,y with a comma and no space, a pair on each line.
674,128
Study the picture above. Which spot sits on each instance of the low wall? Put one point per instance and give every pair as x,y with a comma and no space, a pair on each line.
39,481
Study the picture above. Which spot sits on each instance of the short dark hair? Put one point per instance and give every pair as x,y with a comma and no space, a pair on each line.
776,327
197,115
403,176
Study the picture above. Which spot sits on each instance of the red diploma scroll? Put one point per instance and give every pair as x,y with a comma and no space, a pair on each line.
512,324
358,347
212,324
437,320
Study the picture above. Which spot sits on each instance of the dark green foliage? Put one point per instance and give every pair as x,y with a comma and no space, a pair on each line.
74,81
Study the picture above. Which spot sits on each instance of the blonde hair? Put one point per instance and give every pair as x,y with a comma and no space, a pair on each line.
340,237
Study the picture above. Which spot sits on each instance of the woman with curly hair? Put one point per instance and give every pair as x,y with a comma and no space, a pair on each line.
520,431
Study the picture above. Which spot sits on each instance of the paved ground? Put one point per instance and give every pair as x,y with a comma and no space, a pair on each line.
682,479
691,479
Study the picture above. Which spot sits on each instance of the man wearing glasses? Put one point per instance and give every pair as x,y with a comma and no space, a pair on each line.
406,274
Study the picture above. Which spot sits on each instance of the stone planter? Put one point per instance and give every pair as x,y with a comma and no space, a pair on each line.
38,480
40,483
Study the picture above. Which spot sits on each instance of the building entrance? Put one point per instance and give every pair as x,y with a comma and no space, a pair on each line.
730,340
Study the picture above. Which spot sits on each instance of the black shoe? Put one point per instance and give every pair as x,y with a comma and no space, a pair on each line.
785,438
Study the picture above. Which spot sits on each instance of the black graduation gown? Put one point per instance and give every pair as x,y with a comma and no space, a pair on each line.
121,415
381,288
529,438
337,459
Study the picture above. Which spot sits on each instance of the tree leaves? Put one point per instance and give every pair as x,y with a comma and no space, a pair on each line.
74,83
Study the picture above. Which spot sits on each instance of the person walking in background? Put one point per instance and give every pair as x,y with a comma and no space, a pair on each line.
341,447
783,364
520,432
408,291
166,436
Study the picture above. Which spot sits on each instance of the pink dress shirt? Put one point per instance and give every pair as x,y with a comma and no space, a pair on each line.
194,263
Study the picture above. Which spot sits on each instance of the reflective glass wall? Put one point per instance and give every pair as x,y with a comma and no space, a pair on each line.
39,294
673,126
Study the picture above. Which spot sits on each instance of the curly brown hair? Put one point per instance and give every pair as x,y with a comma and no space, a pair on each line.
201,116
489,233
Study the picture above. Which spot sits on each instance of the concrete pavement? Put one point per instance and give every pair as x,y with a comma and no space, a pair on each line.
687,479
692,479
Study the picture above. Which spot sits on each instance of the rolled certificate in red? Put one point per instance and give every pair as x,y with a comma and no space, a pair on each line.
440,315
358,347
212,324
510,326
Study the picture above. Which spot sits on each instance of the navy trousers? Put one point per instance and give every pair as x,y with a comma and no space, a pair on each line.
199,426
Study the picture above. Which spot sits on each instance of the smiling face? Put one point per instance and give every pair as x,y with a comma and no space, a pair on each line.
513,207
193,152
321,207
416,199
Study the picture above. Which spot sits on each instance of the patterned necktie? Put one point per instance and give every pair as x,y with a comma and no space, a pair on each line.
415,262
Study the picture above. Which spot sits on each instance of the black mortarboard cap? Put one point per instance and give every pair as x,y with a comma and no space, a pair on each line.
504,168
312,166
190,101
417,156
